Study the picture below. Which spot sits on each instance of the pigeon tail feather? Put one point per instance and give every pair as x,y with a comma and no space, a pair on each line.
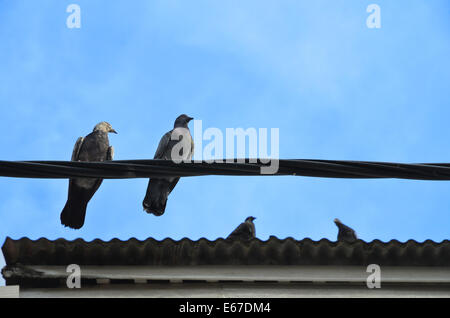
74,211
156,197
73,214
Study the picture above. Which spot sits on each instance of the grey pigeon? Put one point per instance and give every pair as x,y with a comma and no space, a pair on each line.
345,233
93,147
245,231
158,189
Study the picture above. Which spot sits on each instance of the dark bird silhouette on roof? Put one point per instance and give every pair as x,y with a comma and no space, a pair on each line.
245,231
158,189
345,233
93,147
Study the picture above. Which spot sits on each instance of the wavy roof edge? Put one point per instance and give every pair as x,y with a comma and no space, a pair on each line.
273,251
203,239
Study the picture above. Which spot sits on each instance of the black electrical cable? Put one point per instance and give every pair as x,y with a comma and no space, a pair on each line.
125,169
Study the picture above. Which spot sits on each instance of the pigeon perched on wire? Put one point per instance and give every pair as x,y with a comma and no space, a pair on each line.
93,147
346,234
245,231
176,145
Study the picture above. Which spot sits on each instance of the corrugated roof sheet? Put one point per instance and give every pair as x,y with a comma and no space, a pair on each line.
274,251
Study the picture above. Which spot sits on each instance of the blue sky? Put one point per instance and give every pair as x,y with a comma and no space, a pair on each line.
334,88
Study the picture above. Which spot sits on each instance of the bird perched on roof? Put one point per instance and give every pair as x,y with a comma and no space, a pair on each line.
345,233
158,189
93,147
245,231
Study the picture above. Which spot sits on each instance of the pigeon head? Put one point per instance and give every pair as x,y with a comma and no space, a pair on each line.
339,224
105,127
182,121
250,219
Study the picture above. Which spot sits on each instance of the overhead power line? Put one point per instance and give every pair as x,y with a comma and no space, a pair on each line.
125,169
